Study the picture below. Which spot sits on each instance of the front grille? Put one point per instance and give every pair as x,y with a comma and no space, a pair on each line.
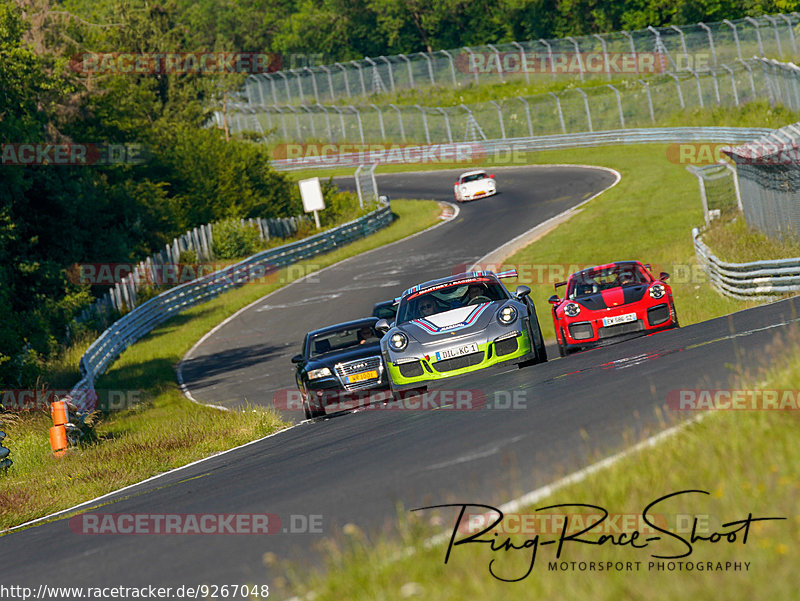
581,331
622,328
458,362
356,367
410,370
658,314
506,347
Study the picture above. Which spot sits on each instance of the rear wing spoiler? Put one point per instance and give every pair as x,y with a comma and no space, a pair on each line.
558,285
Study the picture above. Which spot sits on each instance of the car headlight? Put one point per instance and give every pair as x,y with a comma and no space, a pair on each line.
507,315
572,309
398,341
657,290
464,189
322,372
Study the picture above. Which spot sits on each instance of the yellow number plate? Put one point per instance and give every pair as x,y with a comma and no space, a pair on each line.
364,375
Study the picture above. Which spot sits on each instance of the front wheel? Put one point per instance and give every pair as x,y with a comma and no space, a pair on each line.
312,409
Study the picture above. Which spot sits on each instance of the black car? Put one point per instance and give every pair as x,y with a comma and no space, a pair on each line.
337,362
385,310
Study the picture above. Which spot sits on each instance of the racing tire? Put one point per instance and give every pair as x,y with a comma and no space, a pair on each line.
312,412
562,348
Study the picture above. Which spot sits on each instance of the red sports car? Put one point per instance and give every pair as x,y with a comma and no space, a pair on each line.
611,302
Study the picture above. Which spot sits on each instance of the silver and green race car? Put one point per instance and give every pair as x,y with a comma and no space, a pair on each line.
459,324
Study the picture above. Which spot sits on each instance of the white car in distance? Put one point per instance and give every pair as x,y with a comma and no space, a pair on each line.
474,184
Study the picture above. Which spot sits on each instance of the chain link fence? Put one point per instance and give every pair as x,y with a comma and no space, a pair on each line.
631,104
600,56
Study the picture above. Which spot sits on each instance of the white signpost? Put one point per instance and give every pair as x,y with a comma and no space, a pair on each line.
311,193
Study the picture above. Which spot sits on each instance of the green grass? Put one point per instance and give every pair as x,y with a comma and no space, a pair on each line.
164,430
733,241
748,460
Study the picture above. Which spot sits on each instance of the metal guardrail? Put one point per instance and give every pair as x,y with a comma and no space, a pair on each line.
141,320
478,150
756,280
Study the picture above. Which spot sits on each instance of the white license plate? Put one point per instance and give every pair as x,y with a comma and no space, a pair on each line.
457,352
618,319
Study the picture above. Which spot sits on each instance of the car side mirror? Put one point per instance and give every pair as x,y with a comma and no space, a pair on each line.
382,326
553,300
664,276
297,359
522,291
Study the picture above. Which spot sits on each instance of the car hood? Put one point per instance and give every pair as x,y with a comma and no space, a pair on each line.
456,322
330,359
613,297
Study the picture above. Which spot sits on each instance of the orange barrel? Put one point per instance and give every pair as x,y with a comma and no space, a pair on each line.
60,414
58,440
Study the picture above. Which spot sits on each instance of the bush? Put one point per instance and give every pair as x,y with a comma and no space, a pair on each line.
233,240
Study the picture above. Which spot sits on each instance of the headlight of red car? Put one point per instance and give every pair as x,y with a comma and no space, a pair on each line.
572,309
657,290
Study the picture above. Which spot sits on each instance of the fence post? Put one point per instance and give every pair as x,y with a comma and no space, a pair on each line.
788,22
430,66
360,77
699,89
380,120
560,112
586,106
710,41
549,55
754,23
606,66
649,100
577,54
346,81
677,86
500,119
523,60
446,123
391,73
735,37
471,63
330,82
452,66
358,118
424,123
400,122
410,70
733,84
499,61
774,24
683,45
619,105
358,186
313,83
633,50
527,115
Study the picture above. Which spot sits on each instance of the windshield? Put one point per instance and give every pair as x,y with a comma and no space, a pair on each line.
448,297
473,178
341,339
592,281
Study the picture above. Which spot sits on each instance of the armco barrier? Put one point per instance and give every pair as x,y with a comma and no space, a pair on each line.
141,320
757,280
723,135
